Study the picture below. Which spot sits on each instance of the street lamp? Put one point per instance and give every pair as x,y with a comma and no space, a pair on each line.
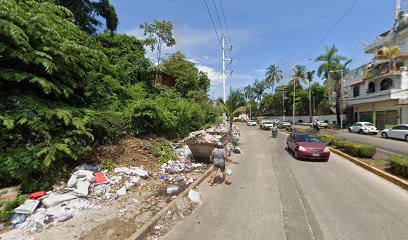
283,107
294,87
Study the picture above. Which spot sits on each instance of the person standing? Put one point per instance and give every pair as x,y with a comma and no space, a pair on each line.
219,158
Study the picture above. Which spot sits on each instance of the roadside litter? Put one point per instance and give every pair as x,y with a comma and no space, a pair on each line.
194,196
89,186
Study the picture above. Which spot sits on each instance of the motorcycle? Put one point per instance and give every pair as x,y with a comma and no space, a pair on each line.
274,133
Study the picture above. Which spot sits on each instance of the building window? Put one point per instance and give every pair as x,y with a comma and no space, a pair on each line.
386,84
371,87
356,91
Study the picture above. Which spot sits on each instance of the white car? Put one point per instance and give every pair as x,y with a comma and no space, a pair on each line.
398,132
286,124
251,123
363,127
321,124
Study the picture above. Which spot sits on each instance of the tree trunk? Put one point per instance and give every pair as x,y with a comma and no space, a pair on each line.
338,90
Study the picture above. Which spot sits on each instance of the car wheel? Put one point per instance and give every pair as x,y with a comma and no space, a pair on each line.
296,155
325,160
406,138
349,130
361,131
384,135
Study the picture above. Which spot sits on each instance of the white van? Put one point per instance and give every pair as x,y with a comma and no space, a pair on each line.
265,124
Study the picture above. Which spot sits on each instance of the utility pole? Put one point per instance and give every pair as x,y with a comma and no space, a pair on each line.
223,70
341,99
283,100
310,104
223,74
294,101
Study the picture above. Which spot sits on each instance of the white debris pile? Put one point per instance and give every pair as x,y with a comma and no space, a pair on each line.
85,189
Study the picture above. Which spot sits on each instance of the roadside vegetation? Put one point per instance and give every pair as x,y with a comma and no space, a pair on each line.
69,88
399,166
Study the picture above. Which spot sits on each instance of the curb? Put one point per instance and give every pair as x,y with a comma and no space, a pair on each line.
396,180
144,230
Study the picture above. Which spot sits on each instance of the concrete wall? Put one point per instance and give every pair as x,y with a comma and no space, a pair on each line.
404,114
305,119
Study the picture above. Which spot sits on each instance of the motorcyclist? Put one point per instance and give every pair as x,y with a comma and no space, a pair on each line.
274,130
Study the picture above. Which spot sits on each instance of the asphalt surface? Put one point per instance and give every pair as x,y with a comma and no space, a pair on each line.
391,146
274,196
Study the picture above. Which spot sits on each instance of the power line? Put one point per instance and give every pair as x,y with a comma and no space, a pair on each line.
218,17
334,26
216,32
225,22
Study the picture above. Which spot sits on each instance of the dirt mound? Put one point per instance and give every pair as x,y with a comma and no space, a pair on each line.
129,152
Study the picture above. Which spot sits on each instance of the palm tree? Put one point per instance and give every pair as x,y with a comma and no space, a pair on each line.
331,61
310,79
388,54
273,75
259,89
299,75
234,105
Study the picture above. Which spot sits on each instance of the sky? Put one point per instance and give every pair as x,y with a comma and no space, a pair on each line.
261,32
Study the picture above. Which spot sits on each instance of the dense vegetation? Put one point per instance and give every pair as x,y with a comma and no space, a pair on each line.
63,90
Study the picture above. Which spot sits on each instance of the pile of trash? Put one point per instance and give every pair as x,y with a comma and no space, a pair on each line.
179,174
87,187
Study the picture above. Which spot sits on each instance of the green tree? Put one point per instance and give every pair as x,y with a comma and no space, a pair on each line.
299,75
259,88
330,61
87,12
273,76
158,34
188,77
126,55
234,105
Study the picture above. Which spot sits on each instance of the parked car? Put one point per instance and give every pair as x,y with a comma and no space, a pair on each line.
286,124
307,145
251,123
265,124
398,132
320,124
363,127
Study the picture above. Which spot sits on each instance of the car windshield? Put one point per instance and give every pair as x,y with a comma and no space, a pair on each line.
251,120
267,122
308,138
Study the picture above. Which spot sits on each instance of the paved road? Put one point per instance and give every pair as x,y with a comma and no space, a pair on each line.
391,146
274,196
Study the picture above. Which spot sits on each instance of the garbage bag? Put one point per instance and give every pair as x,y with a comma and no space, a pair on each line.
229,172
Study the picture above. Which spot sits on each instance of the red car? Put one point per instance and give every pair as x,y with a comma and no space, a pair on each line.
307,145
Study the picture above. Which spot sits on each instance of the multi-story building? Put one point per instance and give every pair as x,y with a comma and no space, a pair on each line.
378,91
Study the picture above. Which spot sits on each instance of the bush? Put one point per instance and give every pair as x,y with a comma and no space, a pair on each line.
164,152
399,166
356,149
6,207
289,129
329,140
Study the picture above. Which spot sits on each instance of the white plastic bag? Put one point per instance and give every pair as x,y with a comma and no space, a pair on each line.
229,172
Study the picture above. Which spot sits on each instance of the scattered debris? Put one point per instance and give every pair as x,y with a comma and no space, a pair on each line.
90,186
36,195
194,196
27,207
100,178
172,189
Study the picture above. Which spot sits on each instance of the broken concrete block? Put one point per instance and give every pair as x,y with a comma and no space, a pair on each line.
194,196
